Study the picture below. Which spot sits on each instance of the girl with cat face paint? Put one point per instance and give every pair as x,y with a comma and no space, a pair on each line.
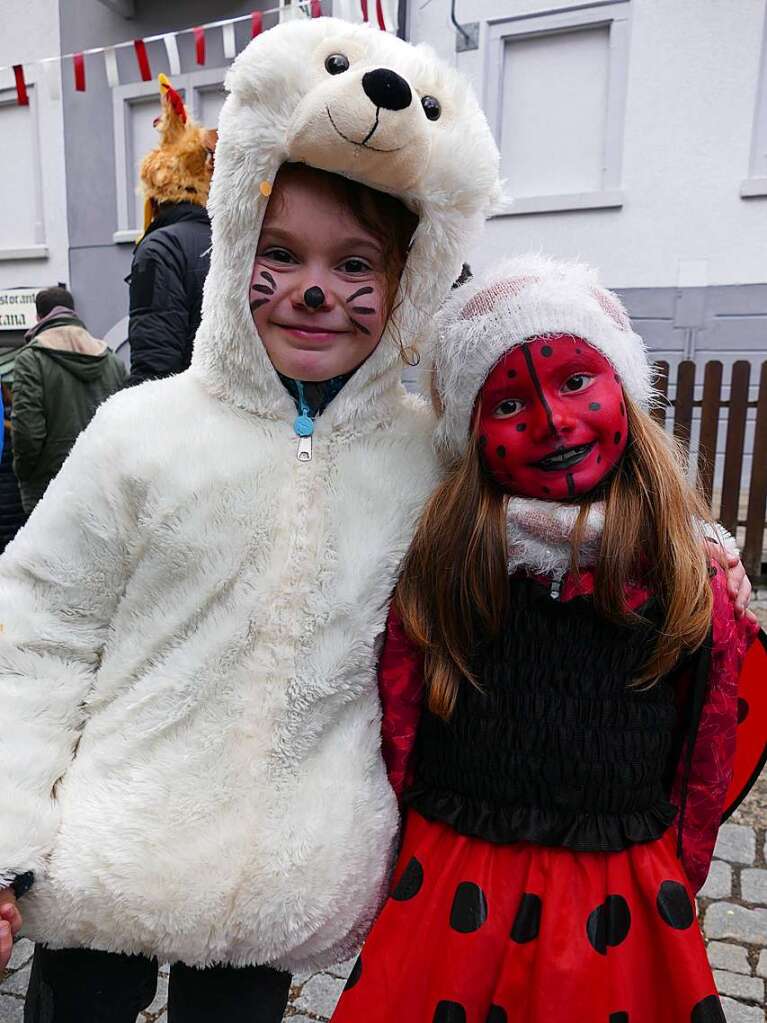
578,660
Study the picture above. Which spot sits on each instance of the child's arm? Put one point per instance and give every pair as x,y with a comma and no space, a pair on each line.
714,750
400,683
60,581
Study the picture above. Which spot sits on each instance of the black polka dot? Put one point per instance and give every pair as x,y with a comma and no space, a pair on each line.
577,351
355,975
743,709
449,1012
674,905
469,910
595,406
617,437
608,925
546,351
500,451
482,440
708,1010
511,373
496,1015
599,459
623,409
527,922
618,1017
521,427
546,490
409,884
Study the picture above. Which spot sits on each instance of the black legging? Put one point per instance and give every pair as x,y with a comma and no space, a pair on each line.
86,986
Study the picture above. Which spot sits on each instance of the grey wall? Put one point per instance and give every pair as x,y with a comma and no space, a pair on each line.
98,266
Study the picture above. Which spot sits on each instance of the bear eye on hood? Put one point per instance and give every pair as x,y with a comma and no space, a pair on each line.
358,102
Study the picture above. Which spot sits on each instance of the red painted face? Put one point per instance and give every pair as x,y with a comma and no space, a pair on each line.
552,419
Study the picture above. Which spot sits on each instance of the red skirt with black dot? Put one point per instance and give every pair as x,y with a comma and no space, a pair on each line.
475,932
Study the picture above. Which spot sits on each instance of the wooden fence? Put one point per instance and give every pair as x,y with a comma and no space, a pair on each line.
741,505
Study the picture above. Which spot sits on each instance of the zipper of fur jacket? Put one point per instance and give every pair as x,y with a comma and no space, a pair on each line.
304,453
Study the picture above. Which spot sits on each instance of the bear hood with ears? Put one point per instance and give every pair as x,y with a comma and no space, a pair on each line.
362,115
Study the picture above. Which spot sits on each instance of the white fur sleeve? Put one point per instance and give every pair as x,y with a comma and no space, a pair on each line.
60,581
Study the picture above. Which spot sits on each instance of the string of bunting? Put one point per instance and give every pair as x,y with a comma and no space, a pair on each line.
382,13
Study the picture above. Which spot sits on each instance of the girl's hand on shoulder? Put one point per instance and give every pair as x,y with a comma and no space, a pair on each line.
738,583
10,924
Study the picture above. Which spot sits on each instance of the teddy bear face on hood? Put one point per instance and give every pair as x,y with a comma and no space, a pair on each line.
355,101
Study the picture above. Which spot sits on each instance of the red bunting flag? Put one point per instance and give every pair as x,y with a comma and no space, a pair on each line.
199,44
21,86
78,62
256,24
316,9
143,60
364,6
380,15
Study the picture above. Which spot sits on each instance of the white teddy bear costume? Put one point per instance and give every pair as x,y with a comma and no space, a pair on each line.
190,754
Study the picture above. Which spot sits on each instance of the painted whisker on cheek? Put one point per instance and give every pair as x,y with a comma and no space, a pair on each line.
258,303
268,277
360,326
570,485
363,310
262,288
360,293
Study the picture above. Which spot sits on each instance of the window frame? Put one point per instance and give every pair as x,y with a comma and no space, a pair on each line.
615,15
755,185
191,85
39,248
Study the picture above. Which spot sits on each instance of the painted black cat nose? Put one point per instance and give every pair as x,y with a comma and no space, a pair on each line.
314,297
386,89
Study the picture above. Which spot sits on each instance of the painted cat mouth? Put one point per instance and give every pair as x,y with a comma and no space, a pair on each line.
564,458
364,143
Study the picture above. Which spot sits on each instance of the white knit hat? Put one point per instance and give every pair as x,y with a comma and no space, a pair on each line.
525,297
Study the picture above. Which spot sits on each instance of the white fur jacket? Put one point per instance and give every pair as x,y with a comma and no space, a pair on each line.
190,733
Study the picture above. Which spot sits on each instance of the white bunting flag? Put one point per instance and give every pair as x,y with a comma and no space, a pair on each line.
227,31
171,47
52,70
110,63
390,14
346,9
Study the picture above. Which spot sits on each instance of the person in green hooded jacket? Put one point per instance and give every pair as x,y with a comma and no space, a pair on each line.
60,378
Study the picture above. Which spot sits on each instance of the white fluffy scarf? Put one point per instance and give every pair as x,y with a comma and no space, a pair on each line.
539,535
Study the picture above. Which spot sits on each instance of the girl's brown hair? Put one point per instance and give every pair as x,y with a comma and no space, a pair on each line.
453,592
387,218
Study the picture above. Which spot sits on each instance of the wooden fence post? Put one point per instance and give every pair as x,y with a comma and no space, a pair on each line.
732,477
709,426
757,491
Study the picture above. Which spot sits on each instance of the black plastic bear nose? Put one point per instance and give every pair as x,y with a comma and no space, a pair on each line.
314,297
386,89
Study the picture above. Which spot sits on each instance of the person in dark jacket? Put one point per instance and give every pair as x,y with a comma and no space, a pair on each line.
12,516
60,378
171,260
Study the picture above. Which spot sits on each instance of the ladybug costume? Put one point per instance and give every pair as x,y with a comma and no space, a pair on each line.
540,875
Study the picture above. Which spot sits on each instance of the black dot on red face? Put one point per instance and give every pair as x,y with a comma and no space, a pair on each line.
500,451
546,490
617,378
599,459
496,1015
469,910
595,406
619,1017
527,922
623,409
608,925
449,1012
409,884
547,351
482,441
577,351
511,373
521,427
355,975
617,437
743,710
674,905
708,1010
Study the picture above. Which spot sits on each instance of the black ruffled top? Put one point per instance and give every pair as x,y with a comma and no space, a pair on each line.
557,748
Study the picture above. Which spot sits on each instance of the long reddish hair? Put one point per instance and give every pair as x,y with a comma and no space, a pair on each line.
453,591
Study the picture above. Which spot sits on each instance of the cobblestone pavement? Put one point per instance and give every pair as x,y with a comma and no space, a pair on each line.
732,908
